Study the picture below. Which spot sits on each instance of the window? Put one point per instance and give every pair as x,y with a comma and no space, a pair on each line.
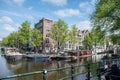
65,46
47,35
69,46
47,40
70,42
47,24
47,30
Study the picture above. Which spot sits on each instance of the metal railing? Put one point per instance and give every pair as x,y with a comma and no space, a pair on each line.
44,72
95,71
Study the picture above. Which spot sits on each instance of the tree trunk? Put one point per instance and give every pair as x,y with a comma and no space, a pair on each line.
36,50
58,50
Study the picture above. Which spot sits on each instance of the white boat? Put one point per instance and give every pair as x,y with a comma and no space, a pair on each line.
11,53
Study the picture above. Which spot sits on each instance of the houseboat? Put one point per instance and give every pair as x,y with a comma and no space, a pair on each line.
12,54
37,57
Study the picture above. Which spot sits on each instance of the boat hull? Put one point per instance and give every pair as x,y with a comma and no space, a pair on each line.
37,57
13,57
60,57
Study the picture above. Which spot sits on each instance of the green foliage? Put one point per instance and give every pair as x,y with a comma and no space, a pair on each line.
23,36
36,38
10,40
24,32
115,38
73,34
59,33
88,41
107,16
5,41
96,36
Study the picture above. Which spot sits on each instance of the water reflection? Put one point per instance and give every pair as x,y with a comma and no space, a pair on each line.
4,69
9,67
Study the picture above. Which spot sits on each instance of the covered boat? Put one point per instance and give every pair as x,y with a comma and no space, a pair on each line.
37,57
11,53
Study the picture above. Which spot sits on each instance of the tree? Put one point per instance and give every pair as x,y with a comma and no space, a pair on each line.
59,33
24,37
73,34
115,39
87,42
36,38
96,36
24,34
107,16
5,41
9,40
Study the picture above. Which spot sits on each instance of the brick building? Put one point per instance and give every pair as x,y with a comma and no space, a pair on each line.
45,25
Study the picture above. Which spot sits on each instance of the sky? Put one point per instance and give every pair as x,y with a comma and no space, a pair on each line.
14,12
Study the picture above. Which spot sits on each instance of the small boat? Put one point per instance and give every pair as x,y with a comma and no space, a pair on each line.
37,57
12,54
62,56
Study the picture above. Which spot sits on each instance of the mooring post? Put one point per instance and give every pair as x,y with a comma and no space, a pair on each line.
98,71
88,68
72,72
44,74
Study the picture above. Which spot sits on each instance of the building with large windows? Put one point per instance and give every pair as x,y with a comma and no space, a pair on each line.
45,25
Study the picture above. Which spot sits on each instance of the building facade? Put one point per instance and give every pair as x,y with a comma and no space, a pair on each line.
45,25
79,45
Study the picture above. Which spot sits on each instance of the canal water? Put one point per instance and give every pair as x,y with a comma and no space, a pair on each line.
9,67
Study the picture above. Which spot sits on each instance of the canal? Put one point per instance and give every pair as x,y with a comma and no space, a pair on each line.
9,67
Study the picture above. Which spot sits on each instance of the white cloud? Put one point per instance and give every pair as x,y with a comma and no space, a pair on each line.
30,8
29,16
0,39
86,7
10,13
67,12
18,2
6,19
8,28
84,25
26,15
56,2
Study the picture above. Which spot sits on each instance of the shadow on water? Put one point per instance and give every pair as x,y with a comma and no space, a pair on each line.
9,67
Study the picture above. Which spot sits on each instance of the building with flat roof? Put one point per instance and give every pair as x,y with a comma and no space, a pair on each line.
45,25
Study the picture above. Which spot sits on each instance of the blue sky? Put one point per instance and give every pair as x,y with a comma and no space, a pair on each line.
14,12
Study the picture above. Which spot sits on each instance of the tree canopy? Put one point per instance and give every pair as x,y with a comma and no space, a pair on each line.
73,34
59,33
24,37
36,38
96,36
107,16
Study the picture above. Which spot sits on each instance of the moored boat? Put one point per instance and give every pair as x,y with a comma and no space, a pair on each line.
61,56
11,53
37,57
